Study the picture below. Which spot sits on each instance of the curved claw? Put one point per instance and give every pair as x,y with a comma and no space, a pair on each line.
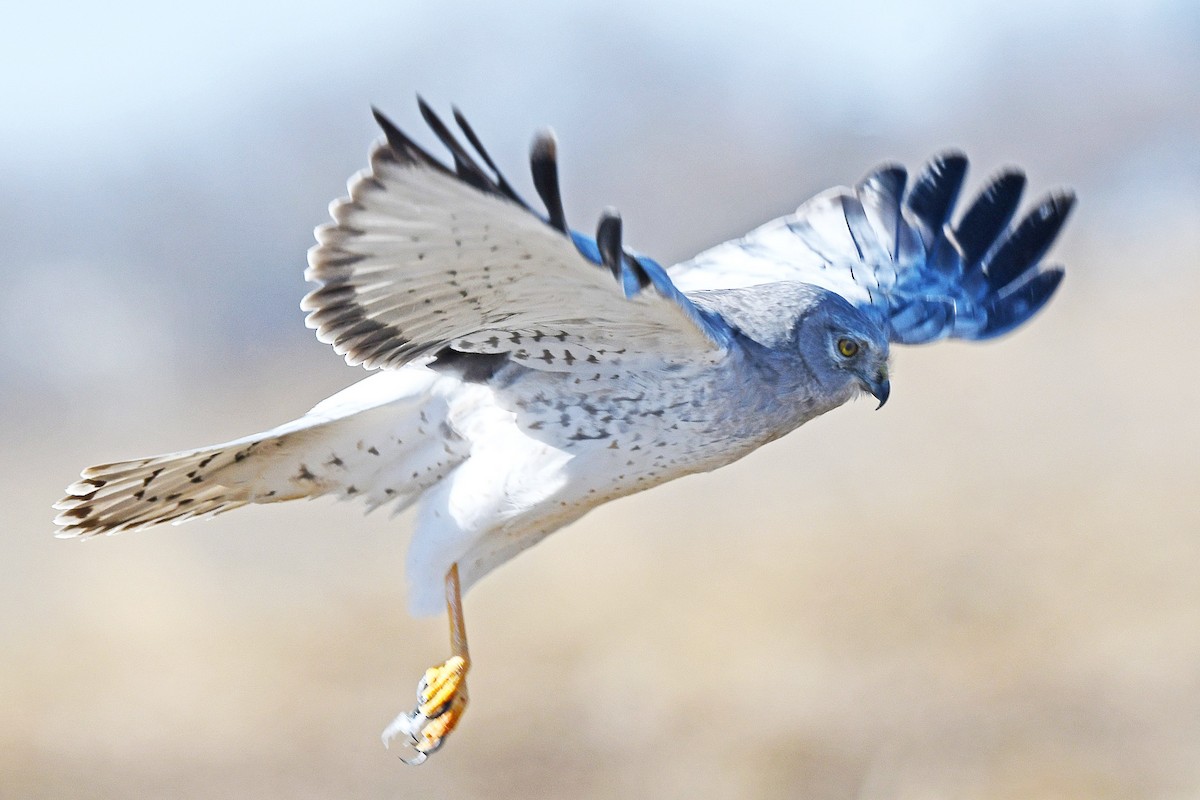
407,726
417,760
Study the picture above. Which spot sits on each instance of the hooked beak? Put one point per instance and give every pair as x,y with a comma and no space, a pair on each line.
881,387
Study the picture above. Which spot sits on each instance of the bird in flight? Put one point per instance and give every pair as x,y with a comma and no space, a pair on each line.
528,373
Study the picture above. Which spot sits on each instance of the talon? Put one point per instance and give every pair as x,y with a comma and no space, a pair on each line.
440,686
441,702
406,725
436,729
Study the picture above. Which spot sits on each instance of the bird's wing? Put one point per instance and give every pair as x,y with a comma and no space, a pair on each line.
425,260
896,254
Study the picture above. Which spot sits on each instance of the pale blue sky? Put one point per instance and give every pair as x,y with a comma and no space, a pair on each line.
74,75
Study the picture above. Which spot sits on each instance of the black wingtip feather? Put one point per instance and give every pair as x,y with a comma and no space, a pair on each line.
890,178
543,163
395,137
935,192
608,240
1006,312
1021,250
639,271
404,148
475,141
464,164
469,132
988,216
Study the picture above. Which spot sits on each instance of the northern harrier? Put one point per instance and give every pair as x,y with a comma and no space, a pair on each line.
529,373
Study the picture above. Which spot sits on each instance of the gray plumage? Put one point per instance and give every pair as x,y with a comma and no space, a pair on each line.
530,373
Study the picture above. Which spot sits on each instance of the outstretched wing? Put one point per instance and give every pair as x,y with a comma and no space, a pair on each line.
423,260
895,253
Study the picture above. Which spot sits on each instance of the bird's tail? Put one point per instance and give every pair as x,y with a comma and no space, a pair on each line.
380,440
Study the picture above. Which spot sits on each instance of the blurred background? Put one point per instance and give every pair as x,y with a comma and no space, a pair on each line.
988,590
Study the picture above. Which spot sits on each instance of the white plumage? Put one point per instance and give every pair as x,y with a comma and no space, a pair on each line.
531,373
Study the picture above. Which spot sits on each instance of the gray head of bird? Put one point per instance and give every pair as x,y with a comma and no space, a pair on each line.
846,349
809,336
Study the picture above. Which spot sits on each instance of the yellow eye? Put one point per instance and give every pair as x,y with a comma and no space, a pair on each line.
847,347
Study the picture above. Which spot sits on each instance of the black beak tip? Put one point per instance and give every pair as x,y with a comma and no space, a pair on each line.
881,391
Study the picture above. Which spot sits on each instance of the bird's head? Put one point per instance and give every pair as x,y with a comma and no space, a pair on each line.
846,350
821,338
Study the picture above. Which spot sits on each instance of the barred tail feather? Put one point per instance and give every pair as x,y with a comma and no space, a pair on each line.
276,465
131,495
383,440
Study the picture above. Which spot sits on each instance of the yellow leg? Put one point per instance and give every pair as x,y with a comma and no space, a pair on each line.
442,693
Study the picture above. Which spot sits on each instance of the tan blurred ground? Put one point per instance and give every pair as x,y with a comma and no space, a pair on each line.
987,590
